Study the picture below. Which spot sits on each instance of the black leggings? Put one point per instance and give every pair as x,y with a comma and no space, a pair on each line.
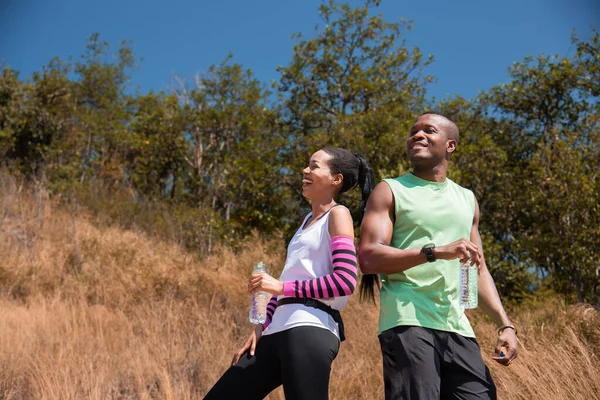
299,358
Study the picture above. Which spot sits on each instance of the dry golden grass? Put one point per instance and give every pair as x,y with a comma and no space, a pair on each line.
94,312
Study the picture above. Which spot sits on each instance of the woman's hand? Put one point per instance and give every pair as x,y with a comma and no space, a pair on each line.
264,283
250,344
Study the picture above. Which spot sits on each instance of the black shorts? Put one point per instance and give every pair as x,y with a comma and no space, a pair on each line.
423,363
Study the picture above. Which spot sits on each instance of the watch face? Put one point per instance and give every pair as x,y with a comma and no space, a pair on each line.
429,246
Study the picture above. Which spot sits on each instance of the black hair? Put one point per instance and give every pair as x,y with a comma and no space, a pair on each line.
367,286
355,171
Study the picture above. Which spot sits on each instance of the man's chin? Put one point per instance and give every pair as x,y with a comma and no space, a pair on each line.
416,157
423,161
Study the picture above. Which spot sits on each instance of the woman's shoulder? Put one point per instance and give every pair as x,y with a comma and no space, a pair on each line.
339,211
340,222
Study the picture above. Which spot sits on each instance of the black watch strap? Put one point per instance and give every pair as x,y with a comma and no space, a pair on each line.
428,250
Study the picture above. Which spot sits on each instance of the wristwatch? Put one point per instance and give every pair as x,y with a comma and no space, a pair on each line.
428,250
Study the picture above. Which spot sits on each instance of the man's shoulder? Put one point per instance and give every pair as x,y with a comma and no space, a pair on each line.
464,193
458,187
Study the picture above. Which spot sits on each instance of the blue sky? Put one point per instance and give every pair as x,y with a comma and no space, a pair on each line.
474,42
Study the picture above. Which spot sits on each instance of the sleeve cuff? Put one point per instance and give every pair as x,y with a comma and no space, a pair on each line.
289,289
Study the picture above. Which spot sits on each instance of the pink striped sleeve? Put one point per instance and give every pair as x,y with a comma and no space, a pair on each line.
270,310
341,282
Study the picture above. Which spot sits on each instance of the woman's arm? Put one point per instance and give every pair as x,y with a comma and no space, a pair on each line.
340,282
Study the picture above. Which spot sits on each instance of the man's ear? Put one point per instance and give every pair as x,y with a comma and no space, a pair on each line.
450,146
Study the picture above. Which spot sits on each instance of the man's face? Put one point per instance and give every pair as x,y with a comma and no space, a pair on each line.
428,140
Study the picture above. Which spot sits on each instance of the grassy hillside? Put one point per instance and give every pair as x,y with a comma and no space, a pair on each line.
92,311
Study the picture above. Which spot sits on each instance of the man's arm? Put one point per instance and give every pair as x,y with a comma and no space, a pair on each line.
375,255
489,300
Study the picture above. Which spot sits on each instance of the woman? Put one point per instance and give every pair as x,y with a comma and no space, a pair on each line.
300,339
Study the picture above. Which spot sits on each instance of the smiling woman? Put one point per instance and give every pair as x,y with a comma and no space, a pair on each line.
317,175
304,327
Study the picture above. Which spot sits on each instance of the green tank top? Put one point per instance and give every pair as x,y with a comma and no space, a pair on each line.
427,295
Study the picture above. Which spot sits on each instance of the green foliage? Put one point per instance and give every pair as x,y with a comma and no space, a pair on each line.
221,157
157,146
42,129
485,167
353,85
547,123
233,146
103,109
11,100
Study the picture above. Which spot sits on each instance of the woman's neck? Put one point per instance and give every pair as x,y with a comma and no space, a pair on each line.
321,206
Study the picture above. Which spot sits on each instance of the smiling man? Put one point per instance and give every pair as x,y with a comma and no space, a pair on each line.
416,230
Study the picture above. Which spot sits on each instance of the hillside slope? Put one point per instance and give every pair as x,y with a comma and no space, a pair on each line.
92,311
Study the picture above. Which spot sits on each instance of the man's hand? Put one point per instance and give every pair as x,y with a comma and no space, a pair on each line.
507,341
463,249
249,344
264,283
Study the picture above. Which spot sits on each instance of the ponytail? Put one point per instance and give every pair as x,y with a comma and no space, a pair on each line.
366,181
368,282
356,172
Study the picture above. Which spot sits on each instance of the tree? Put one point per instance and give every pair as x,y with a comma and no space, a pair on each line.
354,85
158,145
233,144
550,122
484,166
42,124
11,103
103,107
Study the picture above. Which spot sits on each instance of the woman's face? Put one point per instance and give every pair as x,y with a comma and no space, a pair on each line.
317,179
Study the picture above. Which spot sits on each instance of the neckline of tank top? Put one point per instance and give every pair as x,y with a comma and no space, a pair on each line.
438,186
304,228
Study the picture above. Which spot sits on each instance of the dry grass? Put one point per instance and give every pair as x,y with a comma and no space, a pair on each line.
99,313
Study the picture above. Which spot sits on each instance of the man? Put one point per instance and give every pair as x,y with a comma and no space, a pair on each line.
416,229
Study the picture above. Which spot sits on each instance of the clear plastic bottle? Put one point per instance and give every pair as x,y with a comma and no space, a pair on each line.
258,303
468,285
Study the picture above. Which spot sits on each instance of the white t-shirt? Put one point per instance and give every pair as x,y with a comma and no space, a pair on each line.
308,257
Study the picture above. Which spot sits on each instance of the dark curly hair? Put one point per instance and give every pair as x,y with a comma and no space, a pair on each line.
354,169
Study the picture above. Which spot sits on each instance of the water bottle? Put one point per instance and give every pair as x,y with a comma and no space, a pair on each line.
468,285
258,304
